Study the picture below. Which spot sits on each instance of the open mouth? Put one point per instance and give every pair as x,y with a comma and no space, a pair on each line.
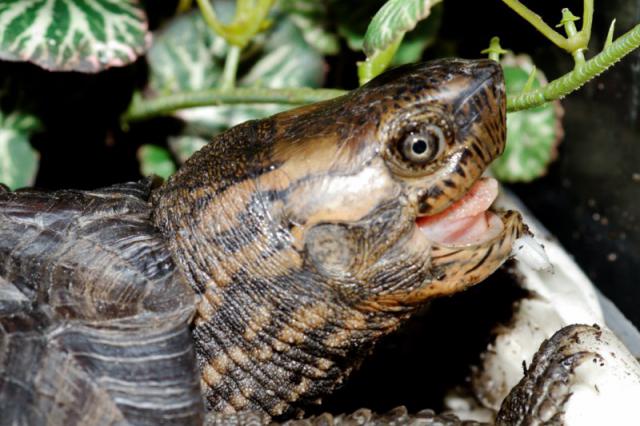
468,221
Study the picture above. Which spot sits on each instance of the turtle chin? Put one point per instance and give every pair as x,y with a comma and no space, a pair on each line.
455,266
433,269
460,264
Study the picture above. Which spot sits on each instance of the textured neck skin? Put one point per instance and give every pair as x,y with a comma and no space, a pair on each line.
298,232
278,354
271,333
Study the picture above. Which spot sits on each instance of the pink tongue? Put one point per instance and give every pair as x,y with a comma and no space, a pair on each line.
467,220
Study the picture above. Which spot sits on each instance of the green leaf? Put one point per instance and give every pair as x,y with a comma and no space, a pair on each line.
73,35
386,31
419,39
18,161
532,135
286,60
312,19
392,21
155,160
187,56
352,20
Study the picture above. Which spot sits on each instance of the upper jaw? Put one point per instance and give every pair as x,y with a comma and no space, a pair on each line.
467,221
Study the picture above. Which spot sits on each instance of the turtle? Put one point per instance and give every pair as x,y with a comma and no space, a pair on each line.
261,274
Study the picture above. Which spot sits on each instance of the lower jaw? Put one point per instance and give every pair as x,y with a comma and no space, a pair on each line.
466,221
476,230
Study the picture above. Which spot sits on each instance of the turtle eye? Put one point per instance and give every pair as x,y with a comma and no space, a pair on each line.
415,145
423,146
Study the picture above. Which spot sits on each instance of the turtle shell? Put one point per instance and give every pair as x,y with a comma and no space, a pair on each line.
93,315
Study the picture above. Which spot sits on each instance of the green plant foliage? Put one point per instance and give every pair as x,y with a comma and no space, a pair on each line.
155,160
311,18
188,56
386,31
392,21
249,19
73,35
276,60
532,135
420,38
18,161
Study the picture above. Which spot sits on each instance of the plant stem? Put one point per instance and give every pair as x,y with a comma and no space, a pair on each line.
539,24
141,109
146,108
249,19
183,6
568,21
575,79
209,15
587,20
377,63
494,50
228,80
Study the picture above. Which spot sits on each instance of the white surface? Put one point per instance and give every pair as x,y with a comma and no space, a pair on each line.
607,391
560,295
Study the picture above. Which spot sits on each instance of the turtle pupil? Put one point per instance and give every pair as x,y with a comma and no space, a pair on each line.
419,146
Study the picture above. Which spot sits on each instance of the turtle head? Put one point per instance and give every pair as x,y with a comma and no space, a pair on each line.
309,234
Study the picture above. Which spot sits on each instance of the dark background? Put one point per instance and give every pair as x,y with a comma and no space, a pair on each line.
589,198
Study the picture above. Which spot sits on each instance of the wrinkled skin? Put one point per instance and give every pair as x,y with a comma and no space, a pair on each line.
296,234
314,229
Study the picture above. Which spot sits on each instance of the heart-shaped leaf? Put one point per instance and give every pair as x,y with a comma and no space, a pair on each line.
18,161
73,35
188,56
532,135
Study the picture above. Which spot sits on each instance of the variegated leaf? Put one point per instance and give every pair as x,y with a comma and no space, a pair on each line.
188,56
18,161
73,35
155,160
392,21
312,19
420,38
286,61
532,135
